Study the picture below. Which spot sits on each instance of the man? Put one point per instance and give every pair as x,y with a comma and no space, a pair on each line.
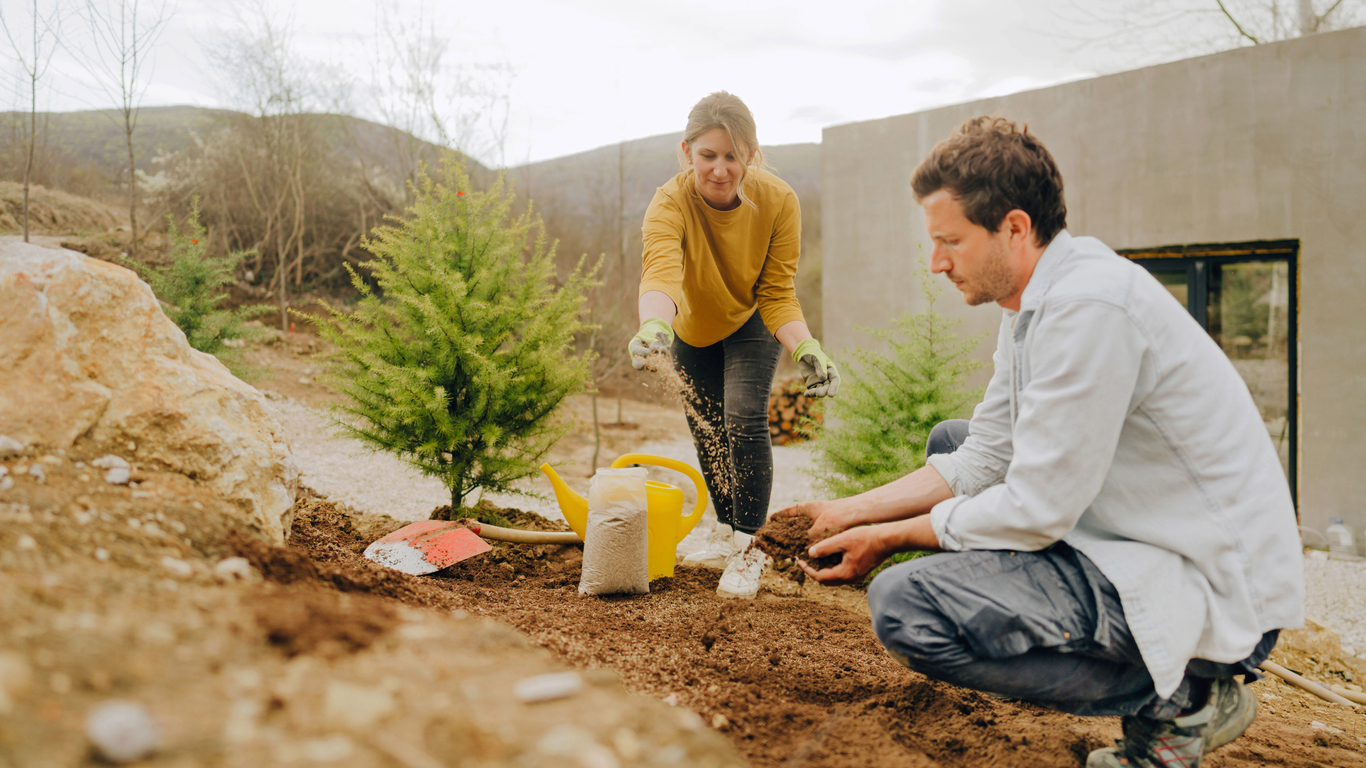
1121,539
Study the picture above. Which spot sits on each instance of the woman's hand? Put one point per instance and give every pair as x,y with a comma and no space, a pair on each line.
818,370
654,337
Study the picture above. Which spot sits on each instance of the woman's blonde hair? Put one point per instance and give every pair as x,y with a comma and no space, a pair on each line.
726,111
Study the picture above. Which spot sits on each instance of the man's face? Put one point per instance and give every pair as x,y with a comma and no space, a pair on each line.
977,261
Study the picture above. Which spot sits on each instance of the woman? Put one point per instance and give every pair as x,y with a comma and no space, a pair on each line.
722,239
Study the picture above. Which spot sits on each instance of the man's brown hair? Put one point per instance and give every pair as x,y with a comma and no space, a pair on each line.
991,166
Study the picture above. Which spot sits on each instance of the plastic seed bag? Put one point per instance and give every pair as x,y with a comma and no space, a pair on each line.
616,539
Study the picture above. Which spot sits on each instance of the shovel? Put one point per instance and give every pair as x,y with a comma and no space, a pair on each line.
427,546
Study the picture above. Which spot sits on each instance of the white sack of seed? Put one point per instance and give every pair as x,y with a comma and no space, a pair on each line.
616,542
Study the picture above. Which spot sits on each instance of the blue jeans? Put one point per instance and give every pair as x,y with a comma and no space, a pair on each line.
731,381
1044,626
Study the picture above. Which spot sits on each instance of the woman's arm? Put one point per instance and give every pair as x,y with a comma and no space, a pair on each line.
791,334
658,304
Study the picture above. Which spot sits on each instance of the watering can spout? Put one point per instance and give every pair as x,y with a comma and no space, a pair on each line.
573,506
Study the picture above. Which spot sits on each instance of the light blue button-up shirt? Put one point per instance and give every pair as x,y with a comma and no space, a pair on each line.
1115,423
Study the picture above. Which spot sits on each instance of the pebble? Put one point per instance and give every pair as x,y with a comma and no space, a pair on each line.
233,569
6,483
102,554
109,461
122,731
1316,725
26,543
719,721
117,476
671,699
9,445
37,473
176,567
556,685
1332,596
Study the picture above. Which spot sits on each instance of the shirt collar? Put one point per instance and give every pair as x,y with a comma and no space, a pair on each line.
1043,271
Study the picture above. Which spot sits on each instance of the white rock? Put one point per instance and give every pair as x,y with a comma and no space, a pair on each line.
556,685
86,350
178,568
122,731
671,699
37,473
719,721
6,483
4,470
109,461
117,476
26,543
102,554
10,446
356,707
234,569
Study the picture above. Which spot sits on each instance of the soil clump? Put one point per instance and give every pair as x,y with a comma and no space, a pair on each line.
787,538
783,678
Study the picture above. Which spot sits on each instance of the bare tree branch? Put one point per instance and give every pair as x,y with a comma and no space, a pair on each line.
1235,23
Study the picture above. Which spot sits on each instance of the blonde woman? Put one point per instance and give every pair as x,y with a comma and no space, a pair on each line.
722,240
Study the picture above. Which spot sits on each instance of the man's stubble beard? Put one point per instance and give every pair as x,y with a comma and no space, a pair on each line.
996,280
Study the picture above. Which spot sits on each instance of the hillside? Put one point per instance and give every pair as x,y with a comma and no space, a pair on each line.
95,138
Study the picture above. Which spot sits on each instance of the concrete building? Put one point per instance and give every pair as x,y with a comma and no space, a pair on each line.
1238,178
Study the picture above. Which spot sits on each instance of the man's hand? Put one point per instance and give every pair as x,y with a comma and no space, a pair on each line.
655,335
863,549
821,375
826,516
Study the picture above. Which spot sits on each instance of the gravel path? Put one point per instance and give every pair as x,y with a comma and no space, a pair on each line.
1335,595
346,471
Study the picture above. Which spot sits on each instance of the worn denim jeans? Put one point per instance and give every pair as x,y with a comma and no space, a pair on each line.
1044,626
731,380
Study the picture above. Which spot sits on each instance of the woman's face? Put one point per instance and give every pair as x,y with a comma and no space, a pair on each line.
718,168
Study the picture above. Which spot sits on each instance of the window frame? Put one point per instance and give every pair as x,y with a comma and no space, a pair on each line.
1196,260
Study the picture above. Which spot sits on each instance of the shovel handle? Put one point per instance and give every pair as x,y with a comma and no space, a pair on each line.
518,536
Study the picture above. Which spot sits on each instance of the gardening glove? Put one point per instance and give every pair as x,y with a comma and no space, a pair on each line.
654,335
822,377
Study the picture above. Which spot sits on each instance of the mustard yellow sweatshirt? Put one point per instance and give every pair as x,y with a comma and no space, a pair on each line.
719,266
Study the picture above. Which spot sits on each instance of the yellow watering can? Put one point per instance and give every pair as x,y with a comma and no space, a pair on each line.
668,525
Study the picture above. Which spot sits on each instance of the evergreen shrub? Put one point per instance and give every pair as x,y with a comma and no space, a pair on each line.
459,359
192,287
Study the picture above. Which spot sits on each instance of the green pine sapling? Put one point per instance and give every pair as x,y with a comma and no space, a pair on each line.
459,359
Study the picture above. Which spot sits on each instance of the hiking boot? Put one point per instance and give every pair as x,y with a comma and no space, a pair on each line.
741,577
720,545
1182,741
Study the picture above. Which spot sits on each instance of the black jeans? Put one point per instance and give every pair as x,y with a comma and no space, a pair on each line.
1043,626
731,380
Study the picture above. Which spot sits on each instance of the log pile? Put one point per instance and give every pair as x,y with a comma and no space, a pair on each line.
789,411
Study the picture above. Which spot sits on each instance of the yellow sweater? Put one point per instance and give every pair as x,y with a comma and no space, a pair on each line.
718,266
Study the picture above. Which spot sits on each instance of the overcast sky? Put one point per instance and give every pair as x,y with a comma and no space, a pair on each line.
585,73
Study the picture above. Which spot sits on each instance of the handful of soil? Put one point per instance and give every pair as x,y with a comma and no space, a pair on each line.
787,538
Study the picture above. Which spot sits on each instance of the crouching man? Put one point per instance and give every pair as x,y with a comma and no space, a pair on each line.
1118,535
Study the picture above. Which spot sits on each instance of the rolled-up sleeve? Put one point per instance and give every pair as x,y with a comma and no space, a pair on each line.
776,291
662,255
1070,416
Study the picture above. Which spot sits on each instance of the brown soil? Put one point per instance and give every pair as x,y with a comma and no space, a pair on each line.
784,678
788,538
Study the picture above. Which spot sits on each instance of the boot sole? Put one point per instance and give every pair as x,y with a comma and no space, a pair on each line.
726,594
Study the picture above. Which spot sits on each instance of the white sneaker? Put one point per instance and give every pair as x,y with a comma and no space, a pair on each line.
718,549
741,577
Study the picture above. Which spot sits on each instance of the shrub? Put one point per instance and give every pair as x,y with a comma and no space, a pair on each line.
191,287
460,361
877,428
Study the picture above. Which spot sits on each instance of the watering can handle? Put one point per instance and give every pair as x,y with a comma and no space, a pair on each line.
688,521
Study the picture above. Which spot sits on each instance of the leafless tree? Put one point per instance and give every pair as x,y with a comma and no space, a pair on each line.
33,53
423,89
123,36
1138,33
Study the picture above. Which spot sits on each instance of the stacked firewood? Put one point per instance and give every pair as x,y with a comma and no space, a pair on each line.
790,411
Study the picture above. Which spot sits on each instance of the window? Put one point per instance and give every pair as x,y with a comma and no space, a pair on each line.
1246,296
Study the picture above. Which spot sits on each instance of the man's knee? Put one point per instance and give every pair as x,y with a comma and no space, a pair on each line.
905,619
946,437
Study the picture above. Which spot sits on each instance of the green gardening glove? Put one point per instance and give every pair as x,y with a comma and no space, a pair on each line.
822,377
655,335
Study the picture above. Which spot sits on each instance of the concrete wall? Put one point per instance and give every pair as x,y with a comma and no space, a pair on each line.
1258,143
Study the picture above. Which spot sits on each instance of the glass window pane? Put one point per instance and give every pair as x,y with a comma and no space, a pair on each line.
1176,283
1249,318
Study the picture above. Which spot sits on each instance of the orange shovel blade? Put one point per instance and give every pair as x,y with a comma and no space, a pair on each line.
426,546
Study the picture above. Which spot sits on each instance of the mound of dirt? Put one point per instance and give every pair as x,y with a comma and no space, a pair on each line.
788,538
52,210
